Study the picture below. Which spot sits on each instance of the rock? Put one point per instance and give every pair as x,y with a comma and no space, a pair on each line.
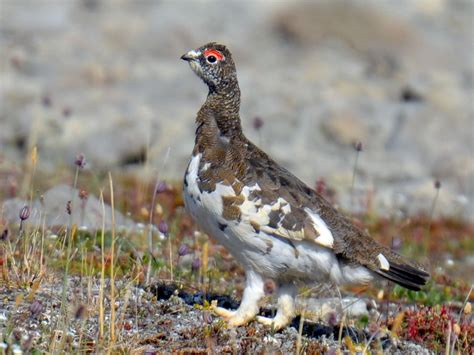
53,210
314,22
345,129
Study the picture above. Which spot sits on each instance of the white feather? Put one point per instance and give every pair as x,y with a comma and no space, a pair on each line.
384,264
325,237
193,54
192,176
286,208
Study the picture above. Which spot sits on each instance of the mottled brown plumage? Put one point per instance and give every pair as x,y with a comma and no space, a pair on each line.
261,194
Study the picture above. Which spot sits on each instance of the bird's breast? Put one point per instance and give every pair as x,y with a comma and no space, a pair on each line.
198,201
215,210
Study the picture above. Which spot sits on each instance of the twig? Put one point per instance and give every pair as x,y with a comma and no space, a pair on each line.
437,186
448,341
102,273
366,347
69,237
358,149
341,326
170,250
343,320
112,270
300,333
150,222
464,303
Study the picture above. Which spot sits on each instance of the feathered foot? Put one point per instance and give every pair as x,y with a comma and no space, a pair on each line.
285,311
248,308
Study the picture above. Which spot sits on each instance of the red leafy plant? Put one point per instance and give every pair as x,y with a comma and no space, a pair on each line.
435,326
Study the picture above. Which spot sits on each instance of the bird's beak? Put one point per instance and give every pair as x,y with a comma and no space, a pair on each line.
191,55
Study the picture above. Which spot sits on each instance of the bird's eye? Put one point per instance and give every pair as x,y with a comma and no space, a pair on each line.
211,59
213,56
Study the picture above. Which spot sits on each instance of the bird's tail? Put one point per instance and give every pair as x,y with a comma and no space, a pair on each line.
404,273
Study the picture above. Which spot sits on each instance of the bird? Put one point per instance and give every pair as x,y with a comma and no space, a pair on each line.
272,223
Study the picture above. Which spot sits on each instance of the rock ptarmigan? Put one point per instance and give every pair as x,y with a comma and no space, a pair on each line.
272,223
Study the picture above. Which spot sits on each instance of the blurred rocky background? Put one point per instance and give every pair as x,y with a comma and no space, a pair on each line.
104,78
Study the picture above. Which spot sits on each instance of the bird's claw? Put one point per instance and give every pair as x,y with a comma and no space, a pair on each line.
275,324
232,318
222,312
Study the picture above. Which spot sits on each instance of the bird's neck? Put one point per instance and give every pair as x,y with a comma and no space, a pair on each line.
221,109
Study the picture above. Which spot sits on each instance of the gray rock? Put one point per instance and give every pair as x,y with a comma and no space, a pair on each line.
87,214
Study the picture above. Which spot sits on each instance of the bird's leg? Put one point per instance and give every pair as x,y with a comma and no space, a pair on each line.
286,308
248,308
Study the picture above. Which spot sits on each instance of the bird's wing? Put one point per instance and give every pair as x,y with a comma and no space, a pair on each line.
284,206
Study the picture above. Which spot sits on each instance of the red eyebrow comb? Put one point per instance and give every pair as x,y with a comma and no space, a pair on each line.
215,53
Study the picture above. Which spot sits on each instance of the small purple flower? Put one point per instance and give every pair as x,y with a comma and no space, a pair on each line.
4,235
24,213
80,312
183,250
46,101
396,244
332,319
69,207
163,227
161,187
196,264
36,308
80,161
257,123
358,146
67,111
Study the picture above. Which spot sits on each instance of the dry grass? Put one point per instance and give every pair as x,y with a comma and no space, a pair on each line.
67,289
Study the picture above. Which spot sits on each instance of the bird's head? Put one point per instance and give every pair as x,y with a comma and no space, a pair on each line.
214,65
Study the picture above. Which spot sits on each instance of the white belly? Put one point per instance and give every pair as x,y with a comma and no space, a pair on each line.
268,255
206,209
